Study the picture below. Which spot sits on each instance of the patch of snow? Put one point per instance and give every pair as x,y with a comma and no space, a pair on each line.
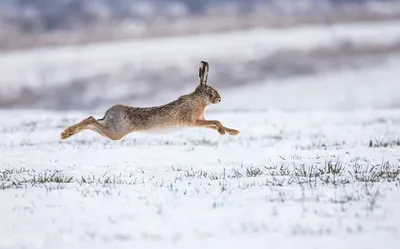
196,189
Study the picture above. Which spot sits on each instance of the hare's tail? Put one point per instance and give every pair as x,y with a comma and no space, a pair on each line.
74,129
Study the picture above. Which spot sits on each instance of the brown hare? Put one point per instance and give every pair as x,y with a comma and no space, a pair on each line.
187,111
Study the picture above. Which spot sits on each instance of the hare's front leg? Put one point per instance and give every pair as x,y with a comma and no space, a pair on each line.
216,125
220,128
212,124
231,131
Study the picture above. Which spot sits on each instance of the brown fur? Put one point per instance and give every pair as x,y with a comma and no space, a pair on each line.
187,111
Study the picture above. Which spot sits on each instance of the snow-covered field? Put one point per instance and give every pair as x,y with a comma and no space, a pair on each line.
316,165
306,179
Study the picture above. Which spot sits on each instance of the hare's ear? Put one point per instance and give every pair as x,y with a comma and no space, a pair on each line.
203,72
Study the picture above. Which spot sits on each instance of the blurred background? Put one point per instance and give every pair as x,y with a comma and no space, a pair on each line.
80,55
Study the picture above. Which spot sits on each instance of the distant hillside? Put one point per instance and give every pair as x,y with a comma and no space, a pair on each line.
28,23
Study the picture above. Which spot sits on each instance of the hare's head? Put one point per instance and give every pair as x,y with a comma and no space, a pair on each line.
209,94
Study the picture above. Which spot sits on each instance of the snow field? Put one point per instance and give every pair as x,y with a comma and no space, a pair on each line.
291,178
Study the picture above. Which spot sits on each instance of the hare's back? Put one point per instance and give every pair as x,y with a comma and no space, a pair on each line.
137,118
173,115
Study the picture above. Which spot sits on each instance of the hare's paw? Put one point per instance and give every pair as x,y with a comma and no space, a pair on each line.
67,133
232,132
221,130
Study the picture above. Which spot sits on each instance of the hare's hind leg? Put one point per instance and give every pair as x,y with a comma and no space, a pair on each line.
91,124
100,127
76,128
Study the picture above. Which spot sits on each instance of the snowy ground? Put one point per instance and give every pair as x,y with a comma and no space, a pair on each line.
310,179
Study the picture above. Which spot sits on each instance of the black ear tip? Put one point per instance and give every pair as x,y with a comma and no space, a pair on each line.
204,62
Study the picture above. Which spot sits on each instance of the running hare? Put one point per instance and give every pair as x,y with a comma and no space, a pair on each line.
187,111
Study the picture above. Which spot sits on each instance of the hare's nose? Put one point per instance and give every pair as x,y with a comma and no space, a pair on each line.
219,99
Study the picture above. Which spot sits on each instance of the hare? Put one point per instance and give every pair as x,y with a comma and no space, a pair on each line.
187,111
